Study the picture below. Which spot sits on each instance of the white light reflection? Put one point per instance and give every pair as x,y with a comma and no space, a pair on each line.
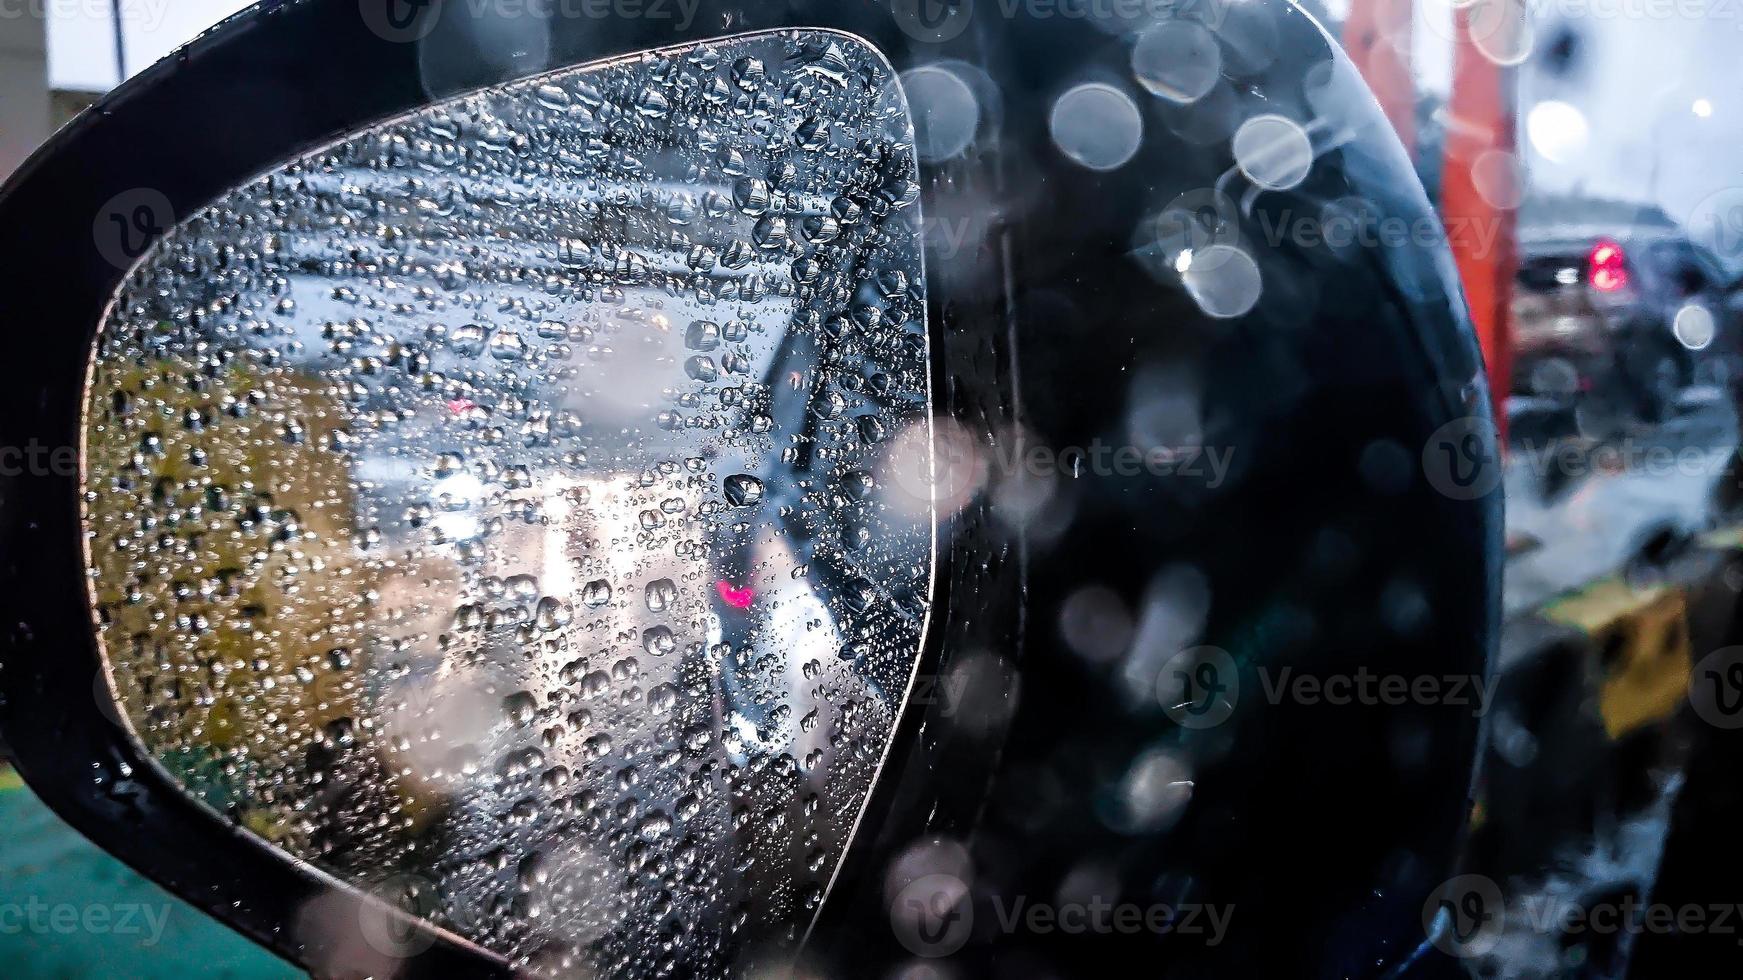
1557,130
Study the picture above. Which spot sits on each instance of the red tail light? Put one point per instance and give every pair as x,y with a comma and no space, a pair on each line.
1608,267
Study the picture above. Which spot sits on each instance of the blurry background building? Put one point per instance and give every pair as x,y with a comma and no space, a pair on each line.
23,89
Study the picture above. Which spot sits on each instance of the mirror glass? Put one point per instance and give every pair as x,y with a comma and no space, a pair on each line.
521,509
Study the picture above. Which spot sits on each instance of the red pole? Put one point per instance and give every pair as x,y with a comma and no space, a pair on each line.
1377,37
1480,158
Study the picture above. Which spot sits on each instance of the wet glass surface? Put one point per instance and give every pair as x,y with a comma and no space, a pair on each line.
520,509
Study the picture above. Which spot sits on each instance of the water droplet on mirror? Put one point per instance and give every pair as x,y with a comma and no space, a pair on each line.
742,490
596,593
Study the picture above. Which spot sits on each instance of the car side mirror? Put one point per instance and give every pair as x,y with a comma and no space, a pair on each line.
504,490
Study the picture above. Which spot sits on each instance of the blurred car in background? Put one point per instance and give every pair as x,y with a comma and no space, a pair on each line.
1618,305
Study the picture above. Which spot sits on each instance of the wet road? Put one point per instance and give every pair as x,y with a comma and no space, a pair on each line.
1578,508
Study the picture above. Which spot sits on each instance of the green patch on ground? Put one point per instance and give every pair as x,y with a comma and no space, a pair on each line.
68,911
